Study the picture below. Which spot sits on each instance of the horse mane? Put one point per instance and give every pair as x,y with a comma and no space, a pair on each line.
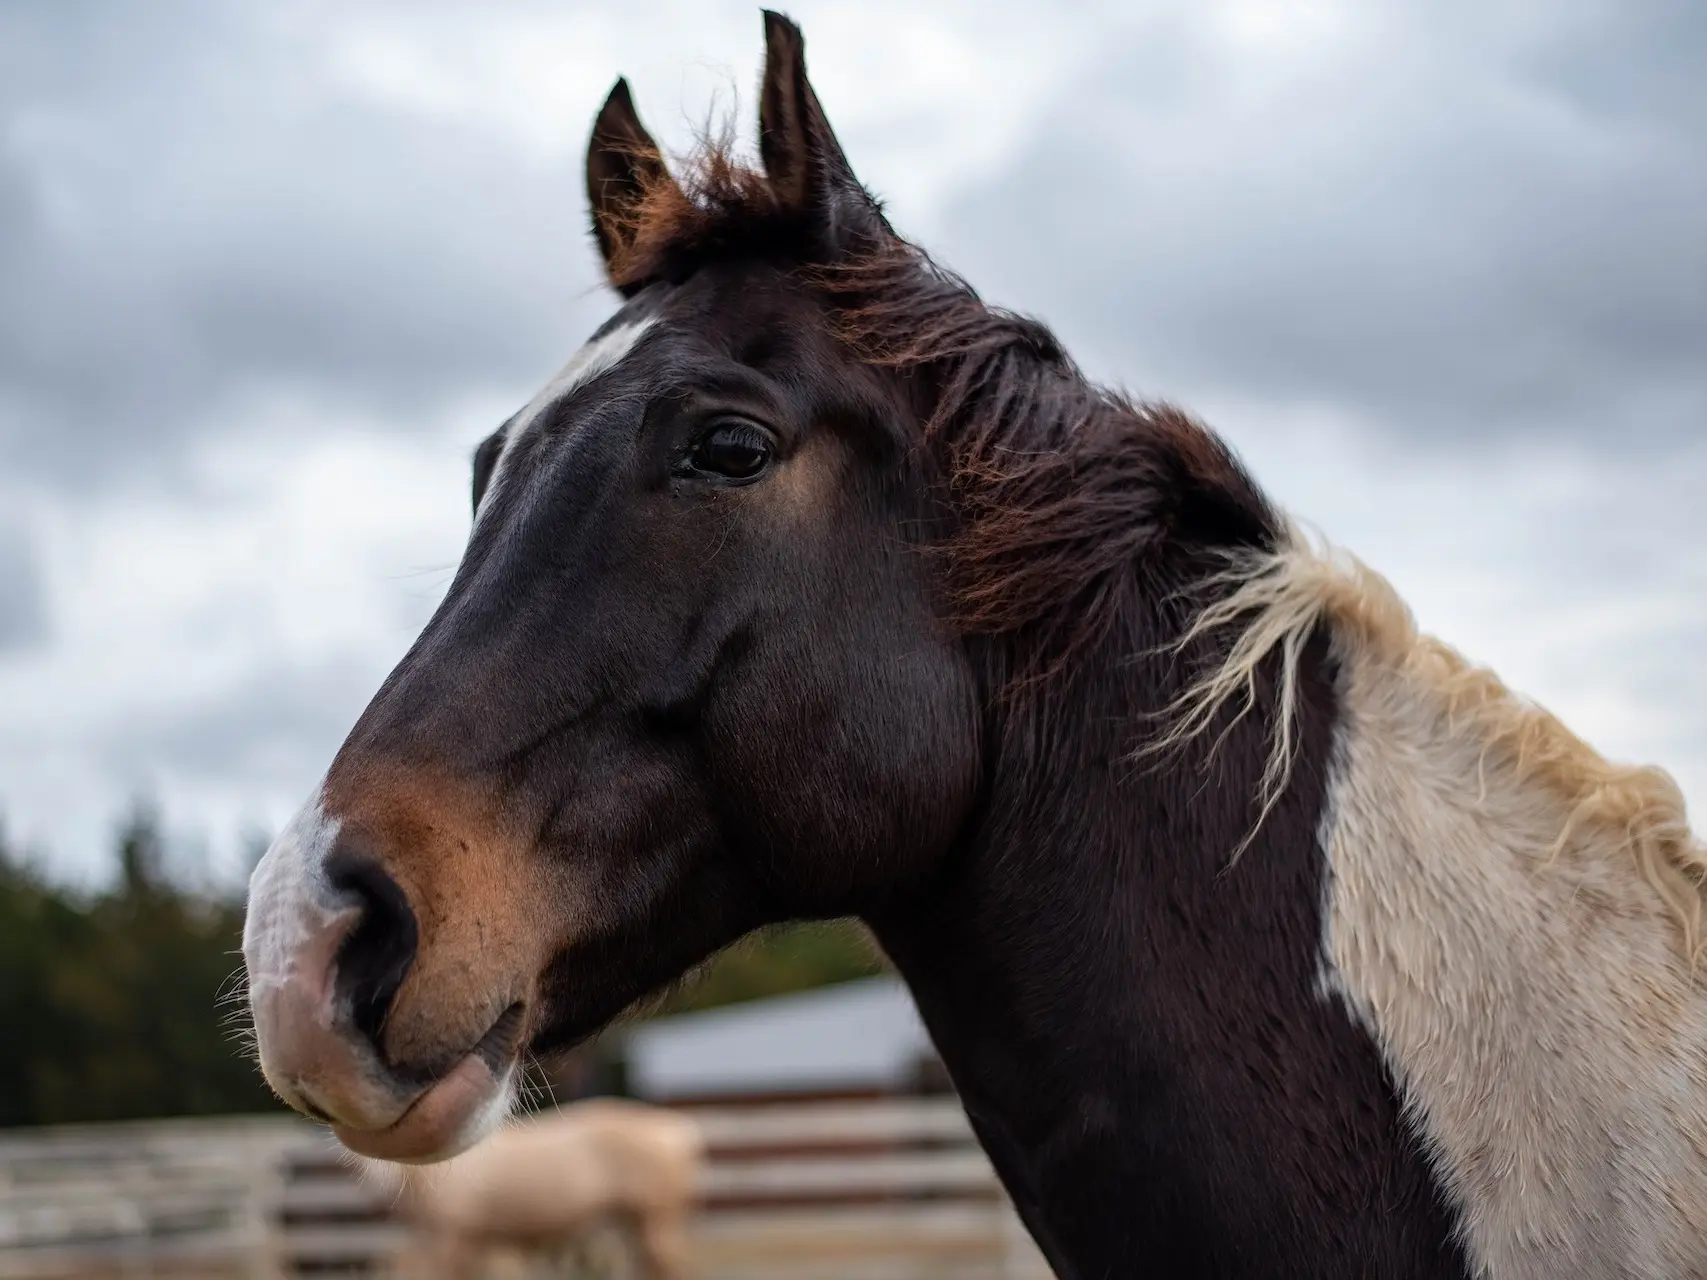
1274,600
1065,491
1061,489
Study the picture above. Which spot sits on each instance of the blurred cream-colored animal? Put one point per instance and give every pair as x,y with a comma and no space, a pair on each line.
543,1185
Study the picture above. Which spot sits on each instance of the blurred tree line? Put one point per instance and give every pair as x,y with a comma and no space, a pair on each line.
125,1003
110,1001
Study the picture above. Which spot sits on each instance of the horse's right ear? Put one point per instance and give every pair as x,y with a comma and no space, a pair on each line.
623,163
805,164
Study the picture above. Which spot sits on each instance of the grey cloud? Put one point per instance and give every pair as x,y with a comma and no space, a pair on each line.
185,216
1494,228
23,596
277,727
1490,230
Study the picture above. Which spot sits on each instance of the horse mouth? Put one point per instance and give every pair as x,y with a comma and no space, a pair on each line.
455,1111
498,1047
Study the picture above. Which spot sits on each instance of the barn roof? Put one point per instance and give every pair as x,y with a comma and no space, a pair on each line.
853,1036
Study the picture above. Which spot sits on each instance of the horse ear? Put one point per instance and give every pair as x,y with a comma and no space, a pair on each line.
805,164
623,163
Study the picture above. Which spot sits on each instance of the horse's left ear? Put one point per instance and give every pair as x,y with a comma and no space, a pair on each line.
623,163
804,162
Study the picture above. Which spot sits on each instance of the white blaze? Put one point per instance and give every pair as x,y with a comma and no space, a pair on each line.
586,364
289,898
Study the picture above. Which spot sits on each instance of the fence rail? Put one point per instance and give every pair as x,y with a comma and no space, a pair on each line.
892,1189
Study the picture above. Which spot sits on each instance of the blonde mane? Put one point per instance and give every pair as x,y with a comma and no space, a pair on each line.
1275,600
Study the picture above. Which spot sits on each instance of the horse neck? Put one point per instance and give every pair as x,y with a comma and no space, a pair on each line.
1136,1026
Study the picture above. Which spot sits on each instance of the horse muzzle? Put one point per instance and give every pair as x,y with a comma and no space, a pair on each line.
329,939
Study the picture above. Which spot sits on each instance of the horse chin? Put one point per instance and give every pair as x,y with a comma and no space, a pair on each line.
458,1111
567,1020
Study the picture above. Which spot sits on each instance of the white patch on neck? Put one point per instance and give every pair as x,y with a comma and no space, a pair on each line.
1547,1037
586,364
289,897
1496,919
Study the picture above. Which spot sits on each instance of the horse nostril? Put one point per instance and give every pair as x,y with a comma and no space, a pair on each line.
377,953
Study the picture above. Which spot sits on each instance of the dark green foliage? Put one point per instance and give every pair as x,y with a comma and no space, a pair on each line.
110,1003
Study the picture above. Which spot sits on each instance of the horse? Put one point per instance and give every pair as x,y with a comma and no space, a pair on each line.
1261,934
542,1187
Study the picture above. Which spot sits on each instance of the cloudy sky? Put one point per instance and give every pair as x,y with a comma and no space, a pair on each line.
268,272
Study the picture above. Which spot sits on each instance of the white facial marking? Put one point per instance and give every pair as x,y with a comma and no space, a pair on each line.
586,364
490,1116
289,898
294,924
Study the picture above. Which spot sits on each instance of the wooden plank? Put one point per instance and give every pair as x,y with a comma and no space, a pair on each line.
900,1120
902,1174
185,1139
885,1244
890,1268
80,1267
163,1257
323,1244
332,1195
95,1212
850,1230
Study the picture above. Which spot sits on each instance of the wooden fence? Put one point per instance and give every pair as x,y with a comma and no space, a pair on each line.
889,1189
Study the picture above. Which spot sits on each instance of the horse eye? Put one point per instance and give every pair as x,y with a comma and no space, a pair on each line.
734,450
